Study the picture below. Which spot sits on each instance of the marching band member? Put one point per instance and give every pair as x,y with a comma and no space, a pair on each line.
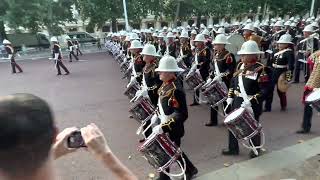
155,41
202,61
77,46
248,88
185,49
138,63
150,77
224,64
150,80
173,109
162,47
282,64
206,34
71,48
248,31
11,55
306,46
57,56
312,84
171,45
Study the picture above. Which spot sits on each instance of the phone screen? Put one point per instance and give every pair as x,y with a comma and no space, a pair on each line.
75,140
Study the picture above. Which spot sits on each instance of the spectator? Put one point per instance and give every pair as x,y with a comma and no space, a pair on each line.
29,142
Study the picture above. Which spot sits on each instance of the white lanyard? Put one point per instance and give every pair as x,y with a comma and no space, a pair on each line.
216,68
181,52
196,58
163,117
242,89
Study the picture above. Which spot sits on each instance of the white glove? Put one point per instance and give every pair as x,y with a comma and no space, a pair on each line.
229,101
209,80
217,78
154,118
246,104
157,129
132,80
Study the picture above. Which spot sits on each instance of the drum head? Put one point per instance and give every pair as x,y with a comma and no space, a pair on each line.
236,41
234,115
314,96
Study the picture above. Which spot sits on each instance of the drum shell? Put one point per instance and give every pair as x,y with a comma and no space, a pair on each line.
216,92
194,80
142,109
314,103
244,126
160,151
131,90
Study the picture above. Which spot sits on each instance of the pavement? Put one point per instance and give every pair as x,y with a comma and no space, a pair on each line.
297,162
93,92
46,53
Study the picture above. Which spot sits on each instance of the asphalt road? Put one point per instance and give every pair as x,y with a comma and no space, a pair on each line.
93,92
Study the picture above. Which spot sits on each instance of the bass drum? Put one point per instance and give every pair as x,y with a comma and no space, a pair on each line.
236,41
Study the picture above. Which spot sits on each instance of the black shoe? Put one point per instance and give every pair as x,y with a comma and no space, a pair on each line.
70,61
194,104
67,73
191,174
228,152
303,131
295,82
267,110
253,155
58,74
142,140
209,124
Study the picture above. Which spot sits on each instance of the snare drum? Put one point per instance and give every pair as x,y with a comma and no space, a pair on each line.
160,151
142,109
124,66
242,124
120,58
314,99
194,80
216,92
131,90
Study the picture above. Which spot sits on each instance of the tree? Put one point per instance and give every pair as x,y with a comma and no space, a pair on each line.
34,14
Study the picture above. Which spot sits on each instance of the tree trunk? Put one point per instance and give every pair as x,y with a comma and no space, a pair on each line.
2,31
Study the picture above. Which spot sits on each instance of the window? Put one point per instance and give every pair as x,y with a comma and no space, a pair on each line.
106,29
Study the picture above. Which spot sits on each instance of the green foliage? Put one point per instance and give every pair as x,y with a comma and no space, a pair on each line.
35,14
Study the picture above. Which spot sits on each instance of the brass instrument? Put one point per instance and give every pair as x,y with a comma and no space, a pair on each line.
314,80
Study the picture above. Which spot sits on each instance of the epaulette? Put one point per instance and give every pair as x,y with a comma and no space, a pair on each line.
203,52
167,90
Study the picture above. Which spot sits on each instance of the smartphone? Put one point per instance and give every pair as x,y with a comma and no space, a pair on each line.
75,140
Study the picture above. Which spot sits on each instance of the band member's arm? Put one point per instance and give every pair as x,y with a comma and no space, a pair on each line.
231,89
291,60
56,52
264,86
231,66
179,105
9,52
315,45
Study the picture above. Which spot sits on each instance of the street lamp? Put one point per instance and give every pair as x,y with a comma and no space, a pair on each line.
125,14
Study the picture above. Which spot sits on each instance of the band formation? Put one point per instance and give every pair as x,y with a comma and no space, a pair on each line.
233,69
